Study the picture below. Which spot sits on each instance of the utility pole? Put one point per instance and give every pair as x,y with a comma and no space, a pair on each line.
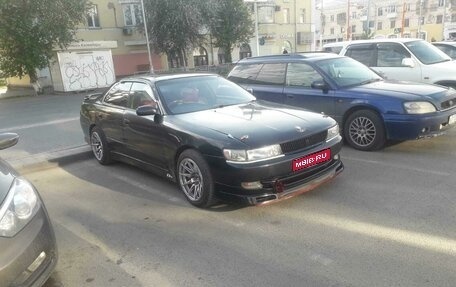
348,20
151,67
403,19
419,20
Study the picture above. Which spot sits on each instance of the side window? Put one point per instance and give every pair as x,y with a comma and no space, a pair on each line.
362,53
244,74
118,94
141,95
301,75
391,55
272,74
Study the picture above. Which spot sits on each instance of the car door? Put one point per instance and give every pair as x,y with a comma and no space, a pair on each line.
299,92
110,115
389,63
143,135
269,83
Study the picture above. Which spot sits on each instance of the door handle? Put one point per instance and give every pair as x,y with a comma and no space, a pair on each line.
290,96
126,121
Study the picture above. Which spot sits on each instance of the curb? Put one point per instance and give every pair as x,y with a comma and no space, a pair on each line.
51,159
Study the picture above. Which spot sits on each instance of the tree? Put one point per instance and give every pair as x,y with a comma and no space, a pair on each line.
174,27
230,24
31,29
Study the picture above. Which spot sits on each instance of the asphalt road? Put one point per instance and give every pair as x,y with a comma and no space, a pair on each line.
387,220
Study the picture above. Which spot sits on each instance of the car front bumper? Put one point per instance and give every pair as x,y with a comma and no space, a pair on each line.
406,127
277,179
28,258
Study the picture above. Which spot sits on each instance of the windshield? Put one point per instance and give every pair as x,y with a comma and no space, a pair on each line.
347,72
192,94
426,53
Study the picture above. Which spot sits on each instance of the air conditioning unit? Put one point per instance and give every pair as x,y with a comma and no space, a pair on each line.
127,31
277,8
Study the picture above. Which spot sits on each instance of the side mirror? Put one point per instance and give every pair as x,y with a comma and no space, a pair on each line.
408,62
319,84
147,110
8,140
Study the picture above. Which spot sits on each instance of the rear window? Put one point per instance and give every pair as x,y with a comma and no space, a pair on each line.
362,53
245,74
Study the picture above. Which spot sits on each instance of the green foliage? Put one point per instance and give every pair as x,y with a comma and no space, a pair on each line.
174,26
31,29
230,24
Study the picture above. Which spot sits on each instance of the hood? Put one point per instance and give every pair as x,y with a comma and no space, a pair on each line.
408,91
259,123
7,175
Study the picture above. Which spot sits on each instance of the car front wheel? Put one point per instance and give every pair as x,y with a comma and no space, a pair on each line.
99,146
364,130
195,179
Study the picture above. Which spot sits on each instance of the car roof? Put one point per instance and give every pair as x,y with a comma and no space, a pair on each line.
367,41
451,43
308,56
162,77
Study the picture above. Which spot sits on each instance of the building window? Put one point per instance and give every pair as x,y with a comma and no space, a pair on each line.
353,29
286,15
132,14
302,16
441,3
92,17
453,17
380,12
407,22
391,9
393,24
331,31
353,15
407,7
439,19
331,18
266,14
379,26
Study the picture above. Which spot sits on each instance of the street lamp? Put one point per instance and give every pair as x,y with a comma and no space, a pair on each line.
151,67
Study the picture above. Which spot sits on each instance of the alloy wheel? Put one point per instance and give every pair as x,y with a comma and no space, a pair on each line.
97,145
191,179
362,131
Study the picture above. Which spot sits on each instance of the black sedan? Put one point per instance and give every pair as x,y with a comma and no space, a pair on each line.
212,137
28,252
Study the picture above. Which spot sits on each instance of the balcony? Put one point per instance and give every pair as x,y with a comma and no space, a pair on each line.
391,15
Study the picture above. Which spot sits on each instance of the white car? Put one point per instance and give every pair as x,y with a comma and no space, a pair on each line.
448,47
404,59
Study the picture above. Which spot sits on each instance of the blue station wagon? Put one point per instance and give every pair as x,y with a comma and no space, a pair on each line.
369,109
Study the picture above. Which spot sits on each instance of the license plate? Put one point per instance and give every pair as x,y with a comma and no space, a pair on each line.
452,119
311,160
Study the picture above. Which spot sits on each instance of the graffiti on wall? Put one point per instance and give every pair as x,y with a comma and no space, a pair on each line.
89,70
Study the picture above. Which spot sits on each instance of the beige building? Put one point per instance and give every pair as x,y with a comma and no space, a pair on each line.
432,20
110,46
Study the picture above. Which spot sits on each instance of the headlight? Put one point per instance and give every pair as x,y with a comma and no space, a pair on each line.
263,153
332,132
18,209
419,107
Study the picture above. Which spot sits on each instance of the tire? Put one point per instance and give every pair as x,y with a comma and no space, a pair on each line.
99,146
364,130
195,179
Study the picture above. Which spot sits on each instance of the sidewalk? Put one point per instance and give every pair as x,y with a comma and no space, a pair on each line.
10,93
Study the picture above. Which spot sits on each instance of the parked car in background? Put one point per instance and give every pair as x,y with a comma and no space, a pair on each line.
448,47
403,59
212,137
369,109
28,252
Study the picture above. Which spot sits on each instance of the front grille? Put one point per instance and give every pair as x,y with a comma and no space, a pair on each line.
448,104
303,143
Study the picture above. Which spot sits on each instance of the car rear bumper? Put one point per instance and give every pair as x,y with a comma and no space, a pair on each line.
29,258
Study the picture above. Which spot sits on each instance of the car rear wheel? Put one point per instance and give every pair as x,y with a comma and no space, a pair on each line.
364,130
99,146
195,179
